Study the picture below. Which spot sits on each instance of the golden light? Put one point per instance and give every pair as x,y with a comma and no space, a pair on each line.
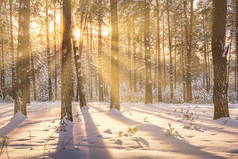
57,18
77,33
105,32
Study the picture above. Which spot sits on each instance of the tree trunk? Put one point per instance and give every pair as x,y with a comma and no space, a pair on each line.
115,95
55,52
33,76
134,53
148,85
164,57
170,56
2,62
236,35
67,69
48,54
23,59
189,57
100,52
13,64
219,54
159,53
90,61
129,61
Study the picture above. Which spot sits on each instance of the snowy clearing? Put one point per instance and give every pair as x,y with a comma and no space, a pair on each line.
138,131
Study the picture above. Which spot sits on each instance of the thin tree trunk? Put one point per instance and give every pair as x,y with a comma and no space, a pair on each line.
159,53
148,85
129,61
164,56
189,57
33,76
13,65
170,56
3,87
100,61
90,62
55,52
48,54
134,53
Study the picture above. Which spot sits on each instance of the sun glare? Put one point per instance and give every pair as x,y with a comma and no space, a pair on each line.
58,18
105,32
77,33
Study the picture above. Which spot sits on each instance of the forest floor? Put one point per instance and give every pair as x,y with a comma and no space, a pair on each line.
139,131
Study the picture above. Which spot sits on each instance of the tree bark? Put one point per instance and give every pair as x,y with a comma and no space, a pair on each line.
23,59
115,95
48,53
219,54
170,56
67,73
148,85
159,52
100,52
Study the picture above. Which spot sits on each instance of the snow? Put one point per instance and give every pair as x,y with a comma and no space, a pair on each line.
137,131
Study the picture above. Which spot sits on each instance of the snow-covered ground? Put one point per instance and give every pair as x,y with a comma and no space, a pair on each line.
139,131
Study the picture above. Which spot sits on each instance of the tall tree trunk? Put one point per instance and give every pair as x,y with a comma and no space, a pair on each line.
55,52
164,57
129,60
148,84
115,95
205,58
219,54
175,63
13,64
100,52
2,62
23,59
48,53
159,53
189,57
67,73
170,56
236,34
90,61
134,53
33,76
78,51
186,44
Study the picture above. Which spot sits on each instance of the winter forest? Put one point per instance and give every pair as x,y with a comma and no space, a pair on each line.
118,79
